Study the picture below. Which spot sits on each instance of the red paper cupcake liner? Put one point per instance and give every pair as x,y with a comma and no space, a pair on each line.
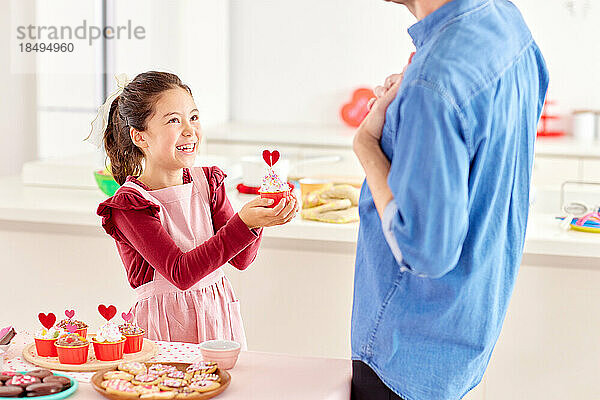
45,347
72,355
82,332
277,196
109,351
134,343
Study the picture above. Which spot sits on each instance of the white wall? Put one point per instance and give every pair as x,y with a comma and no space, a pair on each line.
297,61
187,37
569,42
18,119
274,61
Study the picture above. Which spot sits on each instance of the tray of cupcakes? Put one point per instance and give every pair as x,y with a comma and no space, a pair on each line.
40,383
67,346
130,380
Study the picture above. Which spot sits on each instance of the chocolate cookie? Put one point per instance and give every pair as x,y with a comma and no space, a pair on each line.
63,380
22,381
43,389
10,391
40,373
6,375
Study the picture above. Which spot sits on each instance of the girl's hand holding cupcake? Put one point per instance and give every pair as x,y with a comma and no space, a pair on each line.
256,214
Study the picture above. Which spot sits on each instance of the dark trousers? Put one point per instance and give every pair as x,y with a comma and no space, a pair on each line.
366,385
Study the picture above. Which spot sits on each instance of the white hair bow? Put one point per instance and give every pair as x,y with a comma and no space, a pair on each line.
99,124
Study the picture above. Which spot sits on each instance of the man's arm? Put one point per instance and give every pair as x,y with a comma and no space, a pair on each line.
421,196
377,168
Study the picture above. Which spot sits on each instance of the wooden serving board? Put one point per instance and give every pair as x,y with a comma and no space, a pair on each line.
225,381
149,350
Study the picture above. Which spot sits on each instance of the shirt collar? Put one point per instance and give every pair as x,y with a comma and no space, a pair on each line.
423,30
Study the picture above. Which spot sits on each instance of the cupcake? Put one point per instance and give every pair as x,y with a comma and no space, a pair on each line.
72,349
134,335
45,339
109,343
81,327
273,188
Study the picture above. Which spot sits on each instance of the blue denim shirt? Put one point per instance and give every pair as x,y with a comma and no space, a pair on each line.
434,276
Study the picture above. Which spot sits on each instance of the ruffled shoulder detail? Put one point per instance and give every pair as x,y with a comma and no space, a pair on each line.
215,177
124,199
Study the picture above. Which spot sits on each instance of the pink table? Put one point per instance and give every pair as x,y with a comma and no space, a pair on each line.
256,375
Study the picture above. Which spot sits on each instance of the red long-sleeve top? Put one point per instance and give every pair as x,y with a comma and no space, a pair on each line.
145,246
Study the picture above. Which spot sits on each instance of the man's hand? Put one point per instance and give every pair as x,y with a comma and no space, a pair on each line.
380,91
366,142
372,126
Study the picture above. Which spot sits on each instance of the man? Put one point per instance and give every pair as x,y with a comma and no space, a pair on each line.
447,151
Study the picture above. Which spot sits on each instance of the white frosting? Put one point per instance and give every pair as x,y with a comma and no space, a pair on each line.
109,333
52,333
272,183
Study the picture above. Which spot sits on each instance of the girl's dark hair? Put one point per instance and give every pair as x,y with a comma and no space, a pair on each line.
133,108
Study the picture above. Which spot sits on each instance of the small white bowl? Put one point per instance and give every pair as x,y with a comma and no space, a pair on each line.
223,352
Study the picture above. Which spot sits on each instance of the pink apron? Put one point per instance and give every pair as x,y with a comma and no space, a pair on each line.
209,309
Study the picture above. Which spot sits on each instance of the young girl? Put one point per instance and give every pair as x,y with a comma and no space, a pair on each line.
173,224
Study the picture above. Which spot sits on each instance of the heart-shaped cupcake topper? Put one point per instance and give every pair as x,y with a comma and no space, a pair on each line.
270,157
127,317
47,320
70,328
69,313
107,312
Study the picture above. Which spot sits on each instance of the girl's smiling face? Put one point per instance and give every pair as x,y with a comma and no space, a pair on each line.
173,135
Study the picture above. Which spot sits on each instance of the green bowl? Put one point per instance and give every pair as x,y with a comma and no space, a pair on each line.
106,183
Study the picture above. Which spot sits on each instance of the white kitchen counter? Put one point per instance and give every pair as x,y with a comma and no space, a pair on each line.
77,207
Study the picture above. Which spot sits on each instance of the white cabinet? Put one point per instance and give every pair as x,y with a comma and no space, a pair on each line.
550,172
591,170
548,348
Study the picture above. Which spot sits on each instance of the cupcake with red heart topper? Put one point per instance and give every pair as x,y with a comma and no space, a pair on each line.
71,347
133,333
46,336
272,186
109,342
81,327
